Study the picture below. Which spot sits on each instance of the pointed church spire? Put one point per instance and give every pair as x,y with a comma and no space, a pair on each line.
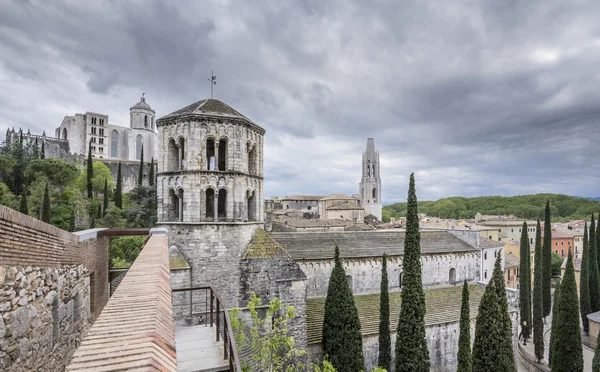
370,185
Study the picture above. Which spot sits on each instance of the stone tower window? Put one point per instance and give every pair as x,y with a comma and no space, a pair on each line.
375,195
173,206
222,154
349,281
251,205
64,134
252,159
152,123
210,203
210,154
400,280
114,144
145,121
452,276
172,156
139,142
222,213
369,169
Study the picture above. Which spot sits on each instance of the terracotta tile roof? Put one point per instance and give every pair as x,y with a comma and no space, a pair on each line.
302,197
489,243
510,261
338,197
135,330
442,306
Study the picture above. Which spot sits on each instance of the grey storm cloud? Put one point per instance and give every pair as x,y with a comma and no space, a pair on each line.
475,97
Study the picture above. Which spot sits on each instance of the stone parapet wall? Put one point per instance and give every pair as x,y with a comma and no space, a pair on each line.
44,313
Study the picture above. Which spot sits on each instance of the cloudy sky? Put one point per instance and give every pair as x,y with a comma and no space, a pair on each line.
475,97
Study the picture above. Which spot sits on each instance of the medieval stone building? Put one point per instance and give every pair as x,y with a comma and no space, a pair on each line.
370,184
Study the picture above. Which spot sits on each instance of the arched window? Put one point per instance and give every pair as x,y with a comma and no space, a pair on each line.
173,213
452,276
252,159
180,205
210,154
222,154
210,203
145,121
181,154
349,281
172,156
152,125
400,280
64,136
251,205
375,195
114,144
222,212
369,169
139,143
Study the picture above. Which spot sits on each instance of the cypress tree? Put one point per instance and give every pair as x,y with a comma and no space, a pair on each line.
596,360
505,343
90,171
92,222
72,219
43,152
119,189
105,198
342,340
18,171
538,310
597,245
487,356
567,354
23,207
411,344
547,261
584,283
46,206
465,359
151,173
385,344
554,312
141,172
593,269
525,282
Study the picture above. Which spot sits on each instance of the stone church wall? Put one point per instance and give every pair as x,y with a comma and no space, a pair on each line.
129,171
366,272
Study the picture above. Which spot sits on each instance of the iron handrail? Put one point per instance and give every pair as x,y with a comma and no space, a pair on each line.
229,340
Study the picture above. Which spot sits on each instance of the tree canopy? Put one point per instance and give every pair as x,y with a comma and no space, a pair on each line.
101,172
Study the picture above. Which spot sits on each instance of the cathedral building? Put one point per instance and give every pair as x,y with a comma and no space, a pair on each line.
370,184
111,141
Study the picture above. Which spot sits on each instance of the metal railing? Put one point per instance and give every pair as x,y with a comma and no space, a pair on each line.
210,312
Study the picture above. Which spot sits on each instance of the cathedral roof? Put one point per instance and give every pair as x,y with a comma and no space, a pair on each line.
321,245
142,104
443,306
208,107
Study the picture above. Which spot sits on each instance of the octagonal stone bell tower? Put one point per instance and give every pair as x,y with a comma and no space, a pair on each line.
210,189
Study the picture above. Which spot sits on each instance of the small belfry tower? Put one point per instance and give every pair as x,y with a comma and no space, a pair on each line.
370,184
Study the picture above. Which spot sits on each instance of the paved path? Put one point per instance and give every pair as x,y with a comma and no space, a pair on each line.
197,349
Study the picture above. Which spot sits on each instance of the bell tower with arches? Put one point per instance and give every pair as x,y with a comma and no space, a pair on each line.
370,184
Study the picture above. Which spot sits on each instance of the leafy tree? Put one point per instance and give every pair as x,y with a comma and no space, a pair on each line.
140,208
23,207
105,198
72,220
93,222
465,359
100,173
505,343
7,198
584,287
411,344
567,354
597,255
58,172
538,310
119,190
342,340
525,281
43,152
489,329
554,317
594,274
113,218
151,173
36,149
17,152
547,261
126,248
45,212
141,171
385,344
556,264
90,172
7,162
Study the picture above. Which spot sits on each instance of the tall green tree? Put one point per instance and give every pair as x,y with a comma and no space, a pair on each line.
505,343
141,171
384,358
18,170
36,149
597,255
43,152
411,344
525,282
567,354
105,198
547,261
151,173
554,317
584,286
45,213
489,329
596,360
594,271
119,189
538,310
23,207
465,359
342,340
72,219
90,171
